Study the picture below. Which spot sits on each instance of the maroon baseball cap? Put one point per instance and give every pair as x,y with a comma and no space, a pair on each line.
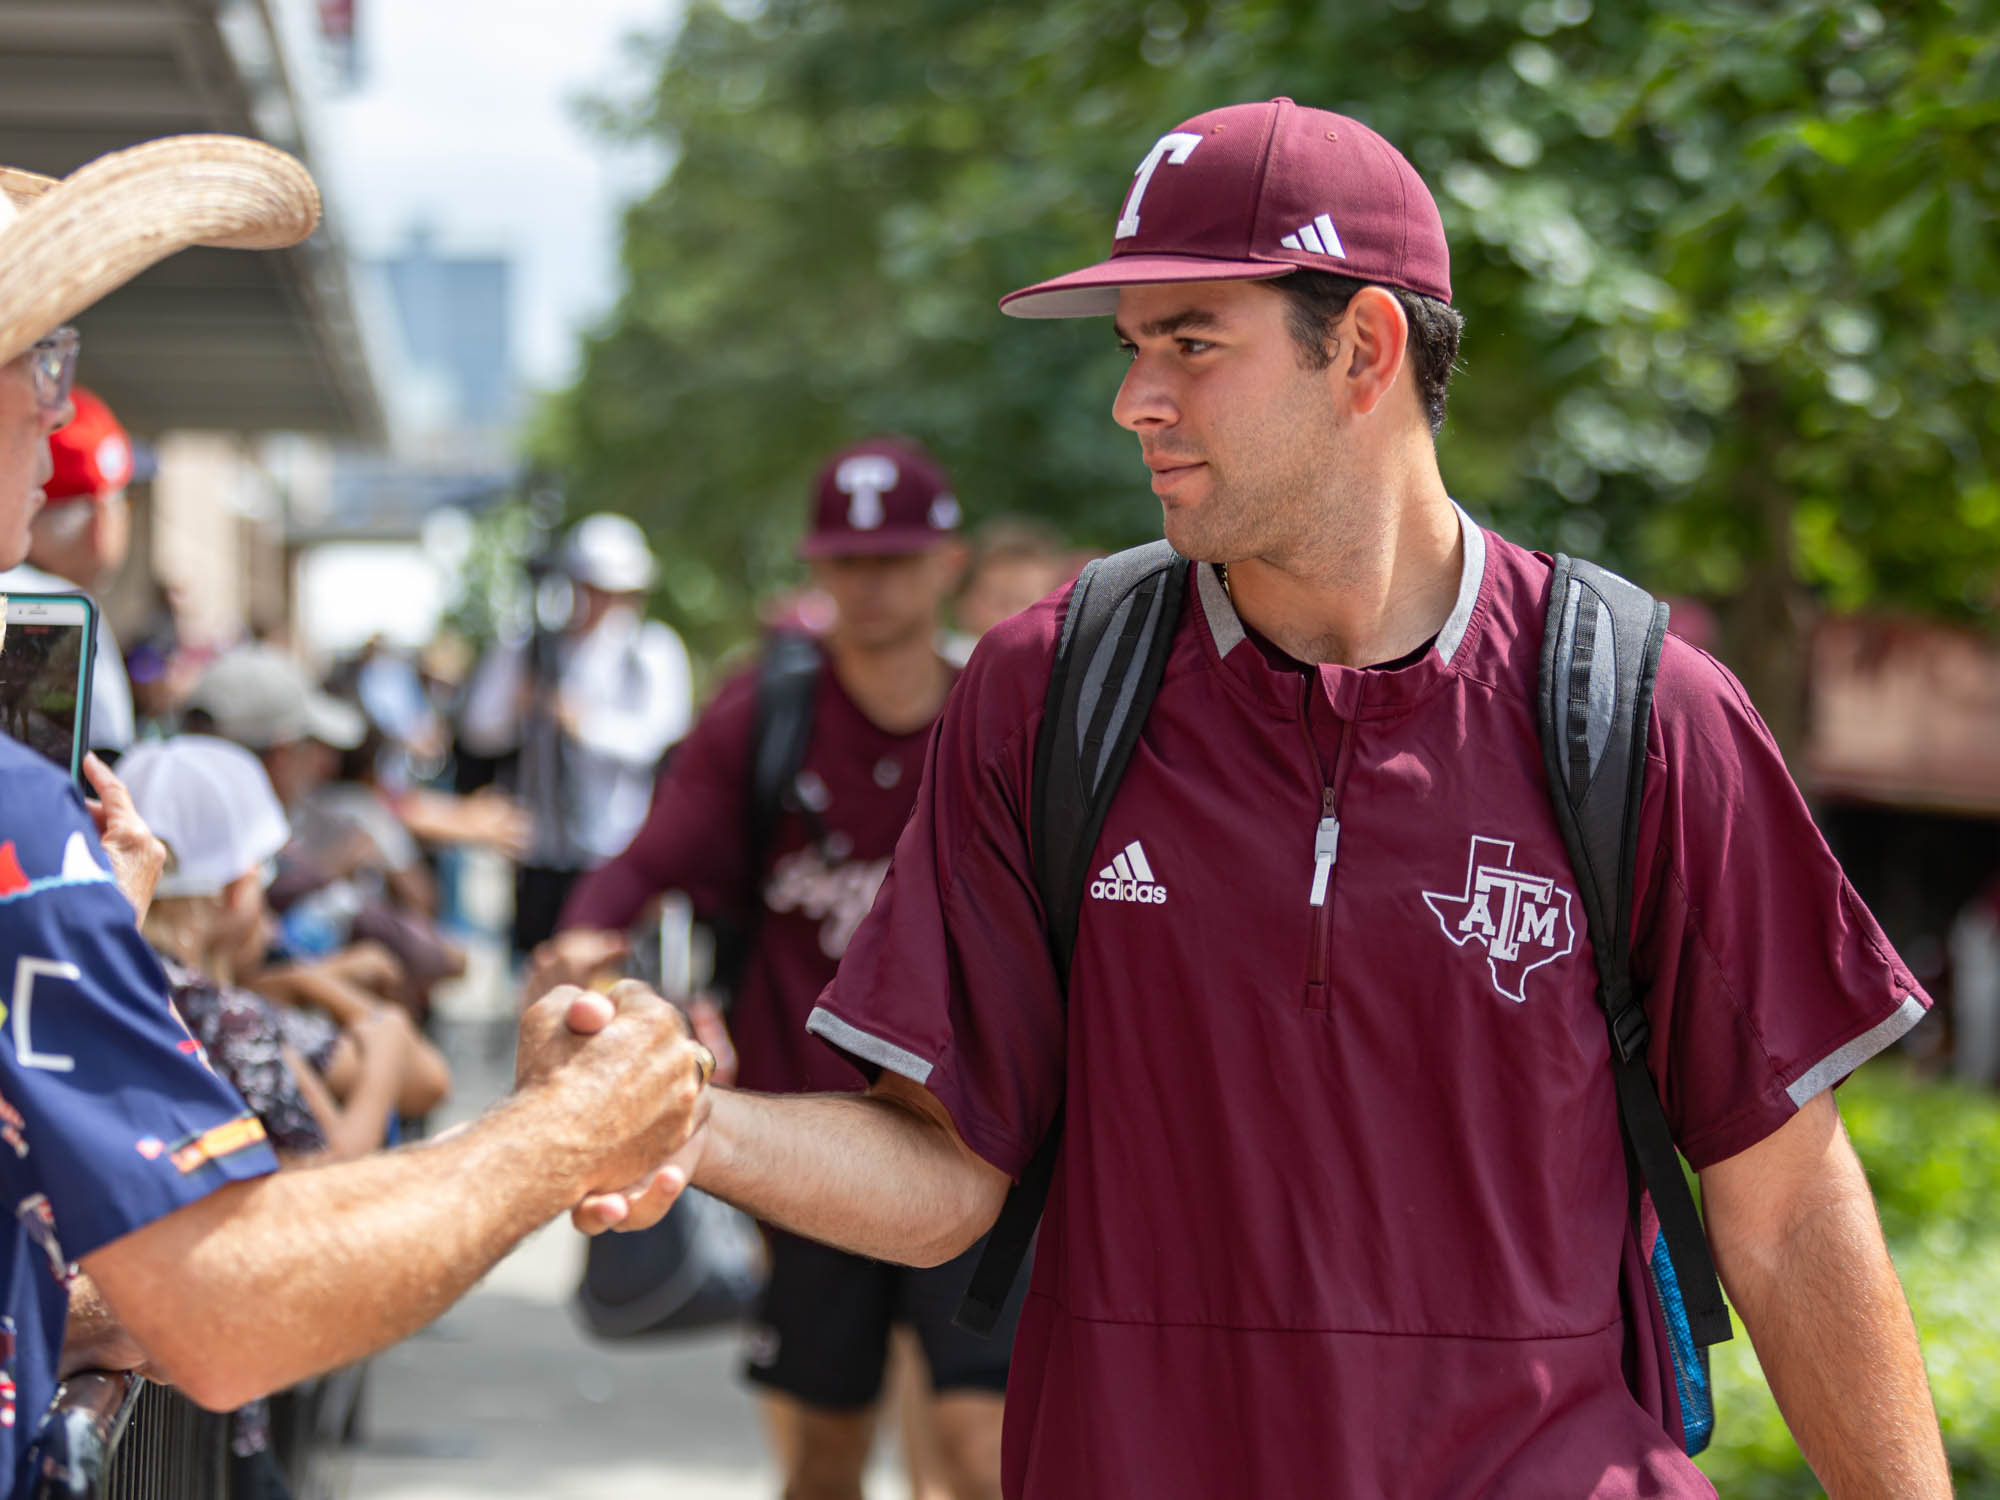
883,495
1255,191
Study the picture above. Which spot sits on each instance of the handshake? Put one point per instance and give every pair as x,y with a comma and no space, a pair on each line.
619,1086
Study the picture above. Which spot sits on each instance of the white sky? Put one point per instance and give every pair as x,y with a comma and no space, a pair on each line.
465,119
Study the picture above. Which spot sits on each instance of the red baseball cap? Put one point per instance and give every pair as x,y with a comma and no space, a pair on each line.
1255,191
93,455
884,495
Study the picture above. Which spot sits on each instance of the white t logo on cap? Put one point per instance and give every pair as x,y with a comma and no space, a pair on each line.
1174,148
865,479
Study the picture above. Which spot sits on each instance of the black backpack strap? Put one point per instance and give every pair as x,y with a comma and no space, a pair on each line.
787,680
787,684
1600,656
1112,652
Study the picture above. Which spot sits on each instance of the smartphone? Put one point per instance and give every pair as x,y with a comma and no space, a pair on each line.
48,658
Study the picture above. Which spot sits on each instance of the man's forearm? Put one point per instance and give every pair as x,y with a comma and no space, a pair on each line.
860,1171
314,985
266,1282
1835,1337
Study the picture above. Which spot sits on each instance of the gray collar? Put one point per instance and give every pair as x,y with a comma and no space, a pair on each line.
1227,629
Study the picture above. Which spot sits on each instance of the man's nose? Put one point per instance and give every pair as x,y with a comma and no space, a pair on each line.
1144,400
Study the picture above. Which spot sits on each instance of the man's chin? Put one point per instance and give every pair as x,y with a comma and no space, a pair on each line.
882,635
1191,540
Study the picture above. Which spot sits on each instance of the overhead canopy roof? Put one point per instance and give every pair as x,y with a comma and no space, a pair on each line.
208,338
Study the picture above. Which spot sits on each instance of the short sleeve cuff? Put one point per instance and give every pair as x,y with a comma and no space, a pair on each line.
236,1150
1844,1059
877,1054
1780,1101
869,1048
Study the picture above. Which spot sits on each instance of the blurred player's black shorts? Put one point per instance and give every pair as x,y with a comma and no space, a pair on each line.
821,1334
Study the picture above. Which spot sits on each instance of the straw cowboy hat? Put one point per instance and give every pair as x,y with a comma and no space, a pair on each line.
65,243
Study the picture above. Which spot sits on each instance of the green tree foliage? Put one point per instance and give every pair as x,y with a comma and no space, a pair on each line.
1733,301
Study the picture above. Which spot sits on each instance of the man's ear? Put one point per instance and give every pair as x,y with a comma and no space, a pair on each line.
1376,351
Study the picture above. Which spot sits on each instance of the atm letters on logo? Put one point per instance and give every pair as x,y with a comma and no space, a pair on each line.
1522,920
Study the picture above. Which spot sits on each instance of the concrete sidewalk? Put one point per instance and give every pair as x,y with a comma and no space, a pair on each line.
504,1396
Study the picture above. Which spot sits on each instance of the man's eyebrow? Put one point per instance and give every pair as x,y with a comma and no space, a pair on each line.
1198,319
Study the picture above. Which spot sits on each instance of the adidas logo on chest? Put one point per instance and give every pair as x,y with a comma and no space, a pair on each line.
1129,877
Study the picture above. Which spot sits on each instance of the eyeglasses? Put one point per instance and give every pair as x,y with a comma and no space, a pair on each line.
52,364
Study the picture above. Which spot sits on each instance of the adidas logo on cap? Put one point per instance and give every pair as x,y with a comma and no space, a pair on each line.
1318,237
1129,878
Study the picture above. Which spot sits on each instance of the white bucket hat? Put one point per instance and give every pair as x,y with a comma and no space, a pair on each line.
65,243
211,804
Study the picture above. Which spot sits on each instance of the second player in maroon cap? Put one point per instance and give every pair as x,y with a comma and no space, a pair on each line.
882,546
1341,1205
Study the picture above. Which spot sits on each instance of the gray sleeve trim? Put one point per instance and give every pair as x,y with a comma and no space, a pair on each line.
824,1023
1829,1070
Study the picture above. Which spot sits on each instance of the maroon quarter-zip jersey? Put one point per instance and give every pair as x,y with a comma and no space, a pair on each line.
1342,1207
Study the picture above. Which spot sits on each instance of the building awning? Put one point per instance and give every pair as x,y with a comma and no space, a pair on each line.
214,339
1905,714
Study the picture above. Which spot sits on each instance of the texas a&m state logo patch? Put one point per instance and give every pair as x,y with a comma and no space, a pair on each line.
1522,919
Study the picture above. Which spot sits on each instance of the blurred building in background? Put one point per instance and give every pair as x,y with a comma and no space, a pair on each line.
443,325
459,388
211,355
1902,760
306,412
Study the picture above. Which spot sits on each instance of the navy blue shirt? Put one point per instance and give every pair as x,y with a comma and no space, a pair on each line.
109,1115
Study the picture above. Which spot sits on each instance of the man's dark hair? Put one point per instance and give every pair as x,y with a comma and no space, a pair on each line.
1316,299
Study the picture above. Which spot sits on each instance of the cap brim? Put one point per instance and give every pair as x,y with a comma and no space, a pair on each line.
334,723
885,543
259,845
1093,291
613,582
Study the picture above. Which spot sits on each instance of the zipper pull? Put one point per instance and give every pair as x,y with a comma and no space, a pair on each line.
1326,848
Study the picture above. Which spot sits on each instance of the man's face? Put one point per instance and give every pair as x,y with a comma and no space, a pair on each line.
592,604
85,541
1244,443
25,464
888,600
1005,586
243,926
297,767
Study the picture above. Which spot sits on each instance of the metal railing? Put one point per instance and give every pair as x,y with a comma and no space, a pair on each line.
119,1437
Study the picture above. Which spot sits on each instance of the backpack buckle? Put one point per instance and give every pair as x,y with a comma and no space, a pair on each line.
1630,1030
